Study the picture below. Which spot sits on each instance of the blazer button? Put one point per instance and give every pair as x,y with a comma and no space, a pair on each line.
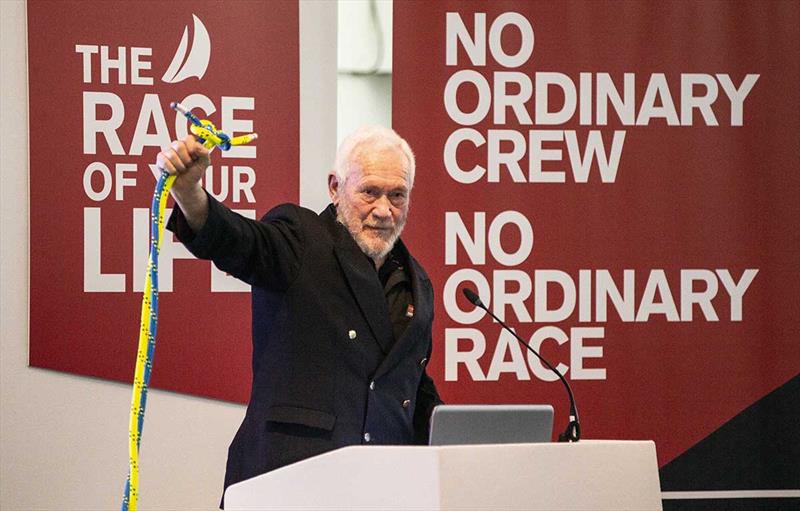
351,334
423,362
406,403
372,385
366,437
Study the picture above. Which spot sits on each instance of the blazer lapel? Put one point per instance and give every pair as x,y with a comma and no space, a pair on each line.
364,284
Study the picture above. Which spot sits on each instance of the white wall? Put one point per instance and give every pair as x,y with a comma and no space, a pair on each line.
364,98
63,438
317,100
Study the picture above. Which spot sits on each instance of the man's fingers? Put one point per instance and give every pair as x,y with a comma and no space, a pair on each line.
164,164
172,156
161,163
179,147
182,156
194,148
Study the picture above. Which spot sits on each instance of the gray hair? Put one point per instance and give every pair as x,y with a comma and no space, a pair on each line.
377,135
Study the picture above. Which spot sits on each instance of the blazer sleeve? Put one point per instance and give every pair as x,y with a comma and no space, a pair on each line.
427,399
266,253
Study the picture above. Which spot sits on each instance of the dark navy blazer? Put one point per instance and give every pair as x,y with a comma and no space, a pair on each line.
327,371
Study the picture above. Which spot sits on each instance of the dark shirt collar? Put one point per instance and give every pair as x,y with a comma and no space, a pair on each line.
391,265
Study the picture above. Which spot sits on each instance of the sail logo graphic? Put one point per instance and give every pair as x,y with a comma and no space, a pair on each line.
194,64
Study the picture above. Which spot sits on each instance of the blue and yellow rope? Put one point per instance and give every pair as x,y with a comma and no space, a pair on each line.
206,133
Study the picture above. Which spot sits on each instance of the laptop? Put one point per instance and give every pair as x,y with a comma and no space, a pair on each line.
491,424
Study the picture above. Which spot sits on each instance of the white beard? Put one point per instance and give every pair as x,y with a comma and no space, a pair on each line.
375,247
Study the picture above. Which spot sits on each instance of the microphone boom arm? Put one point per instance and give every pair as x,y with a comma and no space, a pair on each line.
573,431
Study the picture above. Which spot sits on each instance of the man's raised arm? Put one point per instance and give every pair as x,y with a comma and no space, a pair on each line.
187,159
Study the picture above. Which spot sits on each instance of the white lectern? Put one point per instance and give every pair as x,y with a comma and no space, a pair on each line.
591,475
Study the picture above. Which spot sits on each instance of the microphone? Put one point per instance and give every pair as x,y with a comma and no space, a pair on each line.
573,431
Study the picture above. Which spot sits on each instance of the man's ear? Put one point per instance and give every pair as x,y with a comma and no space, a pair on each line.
333,187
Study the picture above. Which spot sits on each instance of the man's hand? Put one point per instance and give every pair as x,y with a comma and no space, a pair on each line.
187,159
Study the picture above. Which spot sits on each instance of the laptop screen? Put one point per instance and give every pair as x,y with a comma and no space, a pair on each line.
491,424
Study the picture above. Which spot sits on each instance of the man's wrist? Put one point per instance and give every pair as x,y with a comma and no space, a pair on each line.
194,205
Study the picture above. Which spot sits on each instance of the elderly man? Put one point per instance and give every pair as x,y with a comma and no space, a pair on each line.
341,311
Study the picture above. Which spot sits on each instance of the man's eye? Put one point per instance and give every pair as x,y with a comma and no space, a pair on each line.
398,199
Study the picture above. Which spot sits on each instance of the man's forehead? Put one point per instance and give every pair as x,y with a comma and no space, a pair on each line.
380,162
383,179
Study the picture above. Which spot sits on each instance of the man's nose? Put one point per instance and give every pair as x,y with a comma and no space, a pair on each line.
383,208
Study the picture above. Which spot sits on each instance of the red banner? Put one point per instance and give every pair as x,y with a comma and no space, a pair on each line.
102,76
619,182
